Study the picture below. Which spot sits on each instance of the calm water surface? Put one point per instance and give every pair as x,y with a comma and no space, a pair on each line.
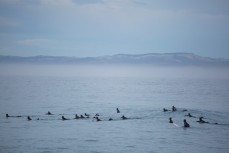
140,99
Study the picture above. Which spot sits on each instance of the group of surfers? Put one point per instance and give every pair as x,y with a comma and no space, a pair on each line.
186,124
76,116
96,116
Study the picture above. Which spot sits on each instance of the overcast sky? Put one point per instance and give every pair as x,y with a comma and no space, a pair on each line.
106,27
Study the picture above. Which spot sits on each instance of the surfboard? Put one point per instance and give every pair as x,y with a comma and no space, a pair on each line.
175,125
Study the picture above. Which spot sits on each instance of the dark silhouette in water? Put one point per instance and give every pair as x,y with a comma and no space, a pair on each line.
165,110
81,116
97,119
110,119
186,124
63,118
174,109
96,115
29,119
201,120
124,117
7,115
49,113
76,117
87,115
170,120
38,119
189,115
117,110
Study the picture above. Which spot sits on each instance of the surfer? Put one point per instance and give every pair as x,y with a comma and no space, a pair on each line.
174,109
170,120
49,113
110,119
87,115
81,116
189,115
117,110
63,118
76,117
97,119
7,115
124,117
201,120
186,124
165,110
96,114
29,119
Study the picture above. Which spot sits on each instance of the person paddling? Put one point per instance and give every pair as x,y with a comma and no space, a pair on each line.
189,115
165,110
63,118
124,117
201,120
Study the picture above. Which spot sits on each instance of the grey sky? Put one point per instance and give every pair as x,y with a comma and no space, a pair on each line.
106,27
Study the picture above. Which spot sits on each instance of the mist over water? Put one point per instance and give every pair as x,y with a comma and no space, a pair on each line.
67,70
140,92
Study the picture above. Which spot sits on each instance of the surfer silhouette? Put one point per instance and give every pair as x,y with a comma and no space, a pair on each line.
186,124
63,118
124,117
49,113
165,110
29,119
76,117
117,110
189,115
174,109
201,120
170,120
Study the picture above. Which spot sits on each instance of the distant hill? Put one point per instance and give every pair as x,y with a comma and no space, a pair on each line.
155,59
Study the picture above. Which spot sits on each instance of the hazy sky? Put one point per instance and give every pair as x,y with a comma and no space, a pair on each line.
106,27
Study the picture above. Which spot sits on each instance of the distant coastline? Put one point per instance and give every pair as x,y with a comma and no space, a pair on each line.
154,59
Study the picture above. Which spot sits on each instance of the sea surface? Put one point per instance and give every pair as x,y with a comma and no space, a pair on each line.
140,99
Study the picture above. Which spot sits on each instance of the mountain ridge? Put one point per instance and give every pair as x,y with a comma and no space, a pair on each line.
156,59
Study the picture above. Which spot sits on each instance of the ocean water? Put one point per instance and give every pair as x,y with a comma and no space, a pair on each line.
140,99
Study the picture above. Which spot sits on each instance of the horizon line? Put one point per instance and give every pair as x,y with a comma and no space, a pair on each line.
188,53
